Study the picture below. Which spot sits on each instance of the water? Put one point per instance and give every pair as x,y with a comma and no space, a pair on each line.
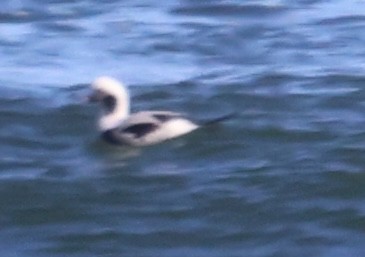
285,178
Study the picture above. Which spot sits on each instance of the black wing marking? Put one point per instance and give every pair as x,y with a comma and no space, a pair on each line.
140,130
165,117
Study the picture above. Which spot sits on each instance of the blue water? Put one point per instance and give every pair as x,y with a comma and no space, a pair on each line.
284,178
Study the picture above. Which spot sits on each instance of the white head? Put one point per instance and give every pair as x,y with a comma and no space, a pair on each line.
114,99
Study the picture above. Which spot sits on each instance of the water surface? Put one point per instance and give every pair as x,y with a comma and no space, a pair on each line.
285,178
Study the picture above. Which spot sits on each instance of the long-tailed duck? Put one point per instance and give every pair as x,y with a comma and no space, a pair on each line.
119,126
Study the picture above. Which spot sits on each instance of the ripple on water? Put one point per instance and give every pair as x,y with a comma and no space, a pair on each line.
229,10
284,178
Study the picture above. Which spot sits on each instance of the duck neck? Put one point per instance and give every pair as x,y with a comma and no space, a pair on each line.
116,110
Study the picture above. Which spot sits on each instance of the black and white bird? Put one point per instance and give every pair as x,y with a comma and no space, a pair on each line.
119,126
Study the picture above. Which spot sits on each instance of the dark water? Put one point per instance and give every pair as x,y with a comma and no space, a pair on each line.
285,178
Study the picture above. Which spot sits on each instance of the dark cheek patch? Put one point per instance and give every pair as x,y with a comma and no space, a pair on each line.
109,102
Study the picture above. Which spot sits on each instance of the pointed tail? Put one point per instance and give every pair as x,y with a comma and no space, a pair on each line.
219,119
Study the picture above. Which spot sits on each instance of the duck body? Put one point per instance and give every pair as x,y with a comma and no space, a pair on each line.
149,127
118,126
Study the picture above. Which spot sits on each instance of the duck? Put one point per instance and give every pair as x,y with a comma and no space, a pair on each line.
119,126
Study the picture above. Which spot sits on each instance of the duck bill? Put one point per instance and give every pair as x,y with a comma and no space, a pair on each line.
94,97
